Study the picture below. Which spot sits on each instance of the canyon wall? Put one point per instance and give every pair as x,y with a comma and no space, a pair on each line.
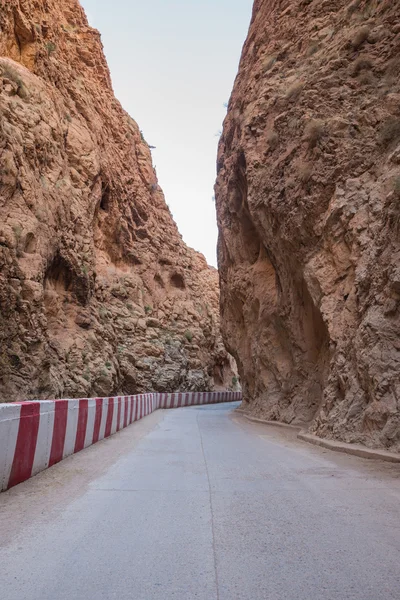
308,203
98,293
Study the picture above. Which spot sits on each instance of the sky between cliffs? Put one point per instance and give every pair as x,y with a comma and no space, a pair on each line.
173,64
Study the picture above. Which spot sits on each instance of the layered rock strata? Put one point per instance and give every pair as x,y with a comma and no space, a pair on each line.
308,201
98,293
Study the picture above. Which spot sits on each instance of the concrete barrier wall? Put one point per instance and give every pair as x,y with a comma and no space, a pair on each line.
37,435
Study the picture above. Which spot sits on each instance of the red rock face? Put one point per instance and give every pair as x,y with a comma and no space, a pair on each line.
98,292
308,201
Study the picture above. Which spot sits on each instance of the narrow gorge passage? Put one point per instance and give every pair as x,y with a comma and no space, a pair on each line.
198,503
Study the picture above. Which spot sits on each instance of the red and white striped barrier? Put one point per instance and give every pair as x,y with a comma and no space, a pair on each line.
37,435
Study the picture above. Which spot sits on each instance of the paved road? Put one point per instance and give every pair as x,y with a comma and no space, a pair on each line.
200,504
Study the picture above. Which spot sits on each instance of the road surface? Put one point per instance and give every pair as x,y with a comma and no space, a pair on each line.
199,504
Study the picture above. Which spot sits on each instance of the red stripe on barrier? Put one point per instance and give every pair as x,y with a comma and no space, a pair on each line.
97,419
110,414
131,409
119,413
82,424
26,443
126,411
59,431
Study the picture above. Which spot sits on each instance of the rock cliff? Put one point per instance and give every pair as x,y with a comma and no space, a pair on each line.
308,202
98,293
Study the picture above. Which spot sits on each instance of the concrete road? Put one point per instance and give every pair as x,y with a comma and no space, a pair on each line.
200,504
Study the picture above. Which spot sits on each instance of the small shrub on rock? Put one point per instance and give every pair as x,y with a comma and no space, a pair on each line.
360,38
305,171
273,140
389,132
50,47
393,70
189,335
314,132
268,62
362,63
396,186
294,92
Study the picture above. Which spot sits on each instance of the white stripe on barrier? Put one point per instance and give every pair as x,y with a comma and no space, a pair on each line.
9,426
44,437
103,418
122,415
115,416
134,400
90,422
72,425
129,410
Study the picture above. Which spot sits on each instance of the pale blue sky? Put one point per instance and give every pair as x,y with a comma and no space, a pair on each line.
173,63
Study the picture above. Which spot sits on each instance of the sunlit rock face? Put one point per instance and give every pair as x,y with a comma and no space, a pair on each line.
98,293
308,202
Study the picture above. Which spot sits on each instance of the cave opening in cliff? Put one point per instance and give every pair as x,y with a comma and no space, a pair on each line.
177,281
105,197
58,275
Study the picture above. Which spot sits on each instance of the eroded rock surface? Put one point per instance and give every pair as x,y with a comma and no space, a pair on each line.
308,200
98,293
